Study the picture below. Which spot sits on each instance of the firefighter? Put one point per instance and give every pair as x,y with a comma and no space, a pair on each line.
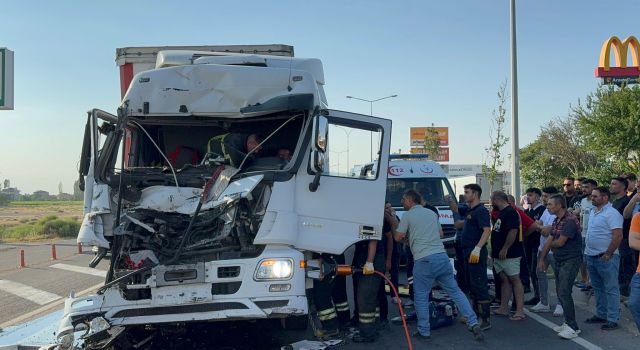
330,299
369,255
234,147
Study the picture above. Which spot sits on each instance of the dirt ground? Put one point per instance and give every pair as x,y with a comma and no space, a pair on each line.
17,214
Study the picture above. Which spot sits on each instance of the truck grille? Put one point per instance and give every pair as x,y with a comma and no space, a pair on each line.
228,271
225,288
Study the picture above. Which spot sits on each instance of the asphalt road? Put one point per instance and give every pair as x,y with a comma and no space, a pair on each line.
41,286
39,289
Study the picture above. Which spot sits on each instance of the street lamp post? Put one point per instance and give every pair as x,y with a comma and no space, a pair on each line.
371,113
339,153
348,133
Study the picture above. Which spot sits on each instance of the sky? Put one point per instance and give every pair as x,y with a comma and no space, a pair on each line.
444,59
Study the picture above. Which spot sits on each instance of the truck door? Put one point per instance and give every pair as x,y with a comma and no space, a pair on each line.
96,223
348,204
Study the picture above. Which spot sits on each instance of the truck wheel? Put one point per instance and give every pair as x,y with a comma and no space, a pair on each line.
297,323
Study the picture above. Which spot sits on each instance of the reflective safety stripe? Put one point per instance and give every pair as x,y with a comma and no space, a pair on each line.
377,312
342,306
410,280
367,314
222,147
367,320
327,317
327,311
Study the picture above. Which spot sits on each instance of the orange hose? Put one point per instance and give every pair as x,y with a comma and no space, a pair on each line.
404,321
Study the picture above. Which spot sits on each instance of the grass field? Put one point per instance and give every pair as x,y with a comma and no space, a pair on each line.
39,220
45,203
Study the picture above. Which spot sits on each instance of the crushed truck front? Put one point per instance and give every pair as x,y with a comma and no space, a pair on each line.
192,238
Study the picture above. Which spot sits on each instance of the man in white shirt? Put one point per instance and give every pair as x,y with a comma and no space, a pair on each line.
604,235
585,209
546,220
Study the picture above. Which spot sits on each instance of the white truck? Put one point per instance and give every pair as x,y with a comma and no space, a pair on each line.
416,171
500,183
194,240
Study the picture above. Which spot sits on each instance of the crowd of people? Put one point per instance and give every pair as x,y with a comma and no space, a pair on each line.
588,235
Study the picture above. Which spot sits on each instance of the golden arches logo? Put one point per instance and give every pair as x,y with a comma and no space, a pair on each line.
620,52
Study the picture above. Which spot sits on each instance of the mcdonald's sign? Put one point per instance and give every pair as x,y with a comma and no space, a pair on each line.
621,72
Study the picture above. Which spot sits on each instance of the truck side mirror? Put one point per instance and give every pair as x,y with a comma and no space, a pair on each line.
320,131
317,163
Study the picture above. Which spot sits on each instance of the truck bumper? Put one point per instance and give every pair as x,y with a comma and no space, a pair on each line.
246,299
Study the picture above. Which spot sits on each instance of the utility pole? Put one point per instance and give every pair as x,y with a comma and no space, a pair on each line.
515,147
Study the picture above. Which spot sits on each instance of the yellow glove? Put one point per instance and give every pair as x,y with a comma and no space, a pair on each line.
368,269
474,258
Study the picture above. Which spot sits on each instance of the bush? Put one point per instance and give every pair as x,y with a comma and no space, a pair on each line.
61,228
47,227
4,200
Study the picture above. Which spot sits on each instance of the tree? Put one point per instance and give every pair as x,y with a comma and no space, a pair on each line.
497,139
596,140
609,124
431,142
4,200
78,194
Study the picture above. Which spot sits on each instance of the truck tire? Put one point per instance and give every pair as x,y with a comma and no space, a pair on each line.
296,323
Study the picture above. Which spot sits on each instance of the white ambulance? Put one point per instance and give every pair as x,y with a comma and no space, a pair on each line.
415,171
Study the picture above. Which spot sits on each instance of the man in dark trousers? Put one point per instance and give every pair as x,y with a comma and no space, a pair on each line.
565,241
235,147
330,299
532,241
473,238
618,189
369,255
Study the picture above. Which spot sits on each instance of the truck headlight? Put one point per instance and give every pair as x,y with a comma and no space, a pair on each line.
274,269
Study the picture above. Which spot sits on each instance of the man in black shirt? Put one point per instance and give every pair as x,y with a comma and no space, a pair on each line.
571,196
618,189
475,233
506,251
532,241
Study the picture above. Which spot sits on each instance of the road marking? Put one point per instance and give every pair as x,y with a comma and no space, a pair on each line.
29,315
80,269
38,296
580,341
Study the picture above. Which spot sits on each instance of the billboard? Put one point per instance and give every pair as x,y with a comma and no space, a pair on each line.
442,156
621,73
417,137
418,134
6,79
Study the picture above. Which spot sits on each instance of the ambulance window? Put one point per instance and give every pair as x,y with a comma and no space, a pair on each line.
432,189
352,151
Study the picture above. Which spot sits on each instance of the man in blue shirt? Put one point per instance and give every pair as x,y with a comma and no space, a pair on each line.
604,235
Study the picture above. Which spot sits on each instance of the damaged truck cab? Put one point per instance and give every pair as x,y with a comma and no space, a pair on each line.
191,238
